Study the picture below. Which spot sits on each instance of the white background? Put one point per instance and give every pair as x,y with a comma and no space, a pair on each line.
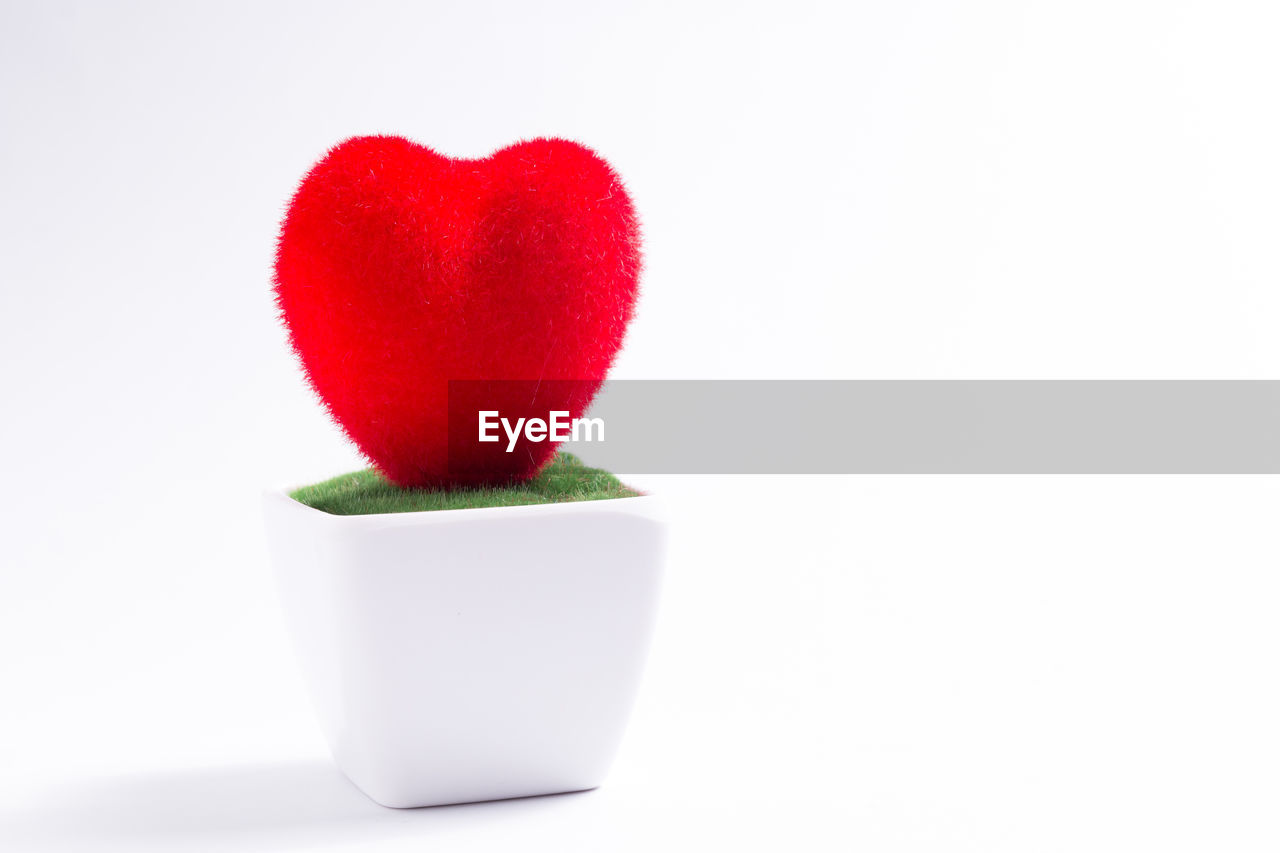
849,190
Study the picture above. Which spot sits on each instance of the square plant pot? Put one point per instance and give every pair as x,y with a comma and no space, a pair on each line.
478,654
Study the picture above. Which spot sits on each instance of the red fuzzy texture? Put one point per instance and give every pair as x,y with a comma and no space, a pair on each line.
399,269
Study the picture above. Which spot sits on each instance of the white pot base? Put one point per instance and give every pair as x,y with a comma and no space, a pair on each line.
471,655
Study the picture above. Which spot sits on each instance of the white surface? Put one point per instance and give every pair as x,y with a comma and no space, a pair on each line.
468,655
916,189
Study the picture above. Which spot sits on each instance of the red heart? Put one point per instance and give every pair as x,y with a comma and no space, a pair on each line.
399,269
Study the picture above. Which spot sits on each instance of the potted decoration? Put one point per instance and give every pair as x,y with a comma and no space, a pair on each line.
471,615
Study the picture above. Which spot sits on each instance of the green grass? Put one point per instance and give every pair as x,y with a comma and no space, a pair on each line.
366,493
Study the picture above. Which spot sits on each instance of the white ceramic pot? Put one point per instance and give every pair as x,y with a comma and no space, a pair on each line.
476,654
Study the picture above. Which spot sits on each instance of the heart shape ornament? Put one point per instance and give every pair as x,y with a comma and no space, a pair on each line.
402,274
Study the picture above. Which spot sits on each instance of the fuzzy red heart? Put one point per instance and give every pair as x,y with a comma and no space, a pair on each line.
400,270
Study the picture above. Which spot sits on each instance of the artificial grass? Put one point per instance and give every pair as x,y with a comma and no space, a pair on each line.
366,492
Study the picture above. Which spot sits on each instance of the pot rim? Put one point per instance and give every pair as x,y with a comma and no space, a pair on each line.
643,505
